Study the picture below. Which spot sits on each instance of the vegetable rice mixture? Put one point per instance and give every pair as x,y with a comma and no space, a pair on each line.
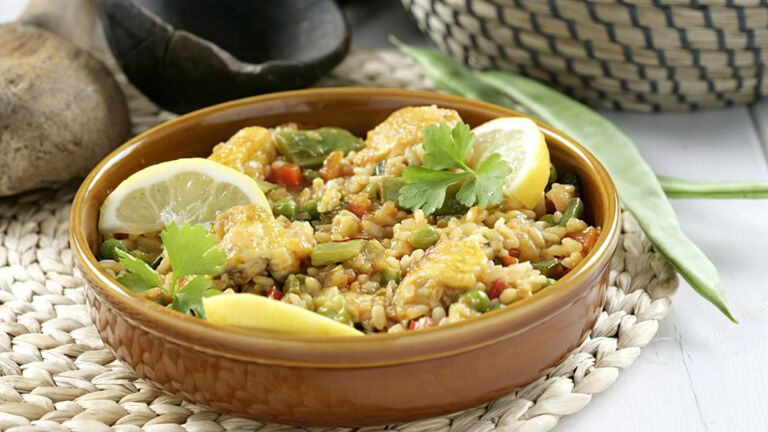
422,224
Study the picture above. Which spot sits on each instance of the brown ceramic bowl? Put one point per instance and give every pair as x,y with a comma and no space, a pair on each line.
377,379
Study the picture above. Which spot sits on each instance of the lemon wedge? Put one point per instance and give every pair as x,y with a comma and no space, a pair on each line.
521,144
255,311
192,190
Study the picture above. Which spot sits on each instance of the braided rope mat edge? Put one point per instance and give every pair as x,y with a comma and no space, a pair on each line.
55,374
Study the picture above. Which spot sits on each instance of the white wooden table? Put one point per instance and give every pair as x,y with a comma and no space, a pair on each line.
701,373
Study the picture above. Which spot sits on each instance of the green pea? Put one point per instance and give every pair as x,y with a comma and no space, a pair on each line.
423,237
285,207
391,274
107,249
495,305
476,299
311,208
575,209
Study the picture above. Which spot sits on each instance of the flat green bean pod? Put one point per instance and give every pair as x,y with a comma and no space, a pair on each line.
681,188
448,75
636,183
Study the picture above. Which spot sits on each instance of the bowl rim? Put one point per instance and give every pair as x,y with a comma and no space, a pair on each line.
378,350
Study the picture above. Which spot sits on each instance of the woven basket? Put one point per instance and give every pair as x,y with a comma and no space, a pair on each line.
641,55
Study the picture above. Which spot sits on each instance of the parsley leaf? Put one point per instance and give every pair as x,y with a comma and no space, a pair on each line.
192,251
485,188
139,276
446,148
425,188
189,299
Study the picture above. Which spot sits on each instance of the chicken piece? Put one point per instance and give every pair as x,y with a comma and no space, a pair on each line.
448,269
255,241
249,151
560,195
401,130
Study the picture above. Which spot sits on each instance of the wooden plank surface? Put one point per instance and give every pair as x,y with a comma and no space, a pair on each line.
10,9
759,113
701,373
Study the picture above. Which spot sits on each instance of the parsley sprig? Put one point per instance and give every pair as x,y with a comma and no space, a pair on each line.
194,259
445,153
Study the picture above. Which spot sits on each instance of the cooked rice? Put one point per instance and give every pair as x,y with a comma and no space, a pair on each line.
490,250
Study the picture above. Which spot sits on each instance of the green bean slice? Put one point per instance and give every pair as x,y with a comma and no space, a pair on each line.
329,253
336,309
310,207
309,148
575,209
292,284
391,274
548,218
551,268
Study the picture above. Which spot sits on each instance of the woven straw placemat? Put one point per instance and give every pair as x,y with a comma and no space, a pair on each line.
57,375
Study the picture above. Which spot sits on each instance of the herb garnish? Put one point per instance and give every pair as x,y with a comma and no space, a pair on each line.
192,252
445,153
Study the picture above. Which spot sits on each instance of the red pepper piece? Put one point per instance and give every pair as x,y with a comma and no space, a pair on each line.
421,323
497,287
274,293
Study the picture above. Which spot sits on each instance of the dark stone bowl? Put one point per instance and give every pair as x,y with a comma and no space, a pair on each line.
188,54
